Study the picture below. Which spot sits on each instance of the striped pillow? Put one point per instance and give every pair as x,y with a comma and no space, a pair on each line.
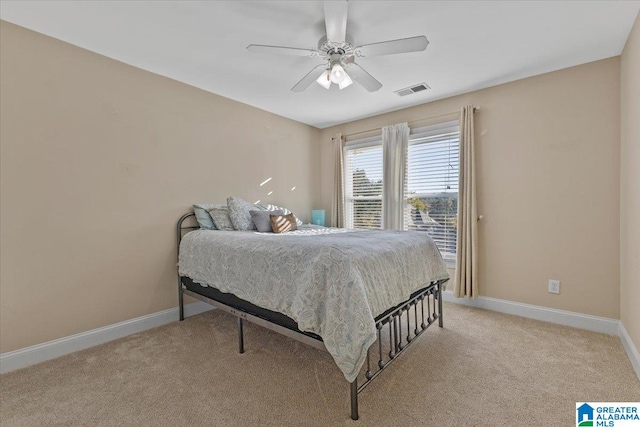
283,223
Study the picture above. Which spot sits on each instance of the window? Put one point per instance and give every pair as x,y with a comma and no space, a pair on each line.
432,185
363,183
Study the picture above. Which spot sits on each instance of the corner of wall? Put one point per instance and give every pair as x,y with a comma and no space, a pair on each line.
630,190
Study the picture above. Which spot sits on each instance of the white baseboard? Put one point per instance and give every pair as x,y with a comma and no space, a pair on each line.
631,349
561,317
39,353
17,359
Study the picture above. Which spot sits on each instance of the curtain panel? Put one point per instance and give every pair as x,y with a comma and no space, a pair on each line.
337,204
466,276
395,142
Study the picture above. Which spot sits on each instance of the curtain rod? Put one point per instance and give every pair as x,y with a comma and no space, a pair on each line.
475,108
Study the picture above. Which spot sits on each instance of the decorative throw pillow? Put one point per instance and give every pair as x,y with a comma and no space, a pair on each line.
278,208
239,213
283,223
220,217
203,217
262,221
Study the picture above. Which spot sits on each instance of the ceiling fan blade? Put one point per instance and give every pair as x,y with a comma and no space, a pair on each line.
335,20
412,44
280,50
311,77
365,79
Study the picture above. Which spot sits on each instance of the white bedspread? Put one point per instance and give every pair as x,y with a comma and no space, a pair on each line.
332,282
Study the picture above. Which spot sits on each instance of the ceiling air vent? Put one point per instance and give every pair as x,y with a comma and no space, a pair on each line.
413,89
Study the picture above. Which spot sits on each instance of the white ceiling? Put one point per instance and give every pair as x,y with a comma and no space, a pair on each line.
473,45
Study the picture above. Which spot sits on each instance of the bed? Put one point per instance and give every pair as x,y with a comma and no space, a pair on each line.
362,295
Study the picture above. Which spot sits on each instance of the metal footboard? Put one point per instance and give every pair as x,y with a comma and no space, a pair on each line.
402,325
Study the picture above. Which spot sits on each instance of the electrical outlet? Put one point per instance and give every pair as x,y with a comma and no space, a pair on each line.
554,286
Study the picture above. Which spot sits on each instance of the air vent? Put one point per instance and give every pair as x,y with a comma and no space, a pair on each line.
413,89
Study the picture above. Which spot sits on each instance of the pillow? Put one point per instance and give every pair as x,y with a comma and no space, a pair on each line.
283,223
203,217
262,221
278,208
220,217
239,213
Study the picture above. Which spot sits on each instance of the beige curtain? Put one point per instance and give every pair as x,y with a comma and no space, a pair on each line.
395,140
466,278
337,205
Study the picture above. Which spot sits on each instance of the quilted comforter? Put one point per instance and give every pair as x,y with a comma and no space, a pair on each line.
332,282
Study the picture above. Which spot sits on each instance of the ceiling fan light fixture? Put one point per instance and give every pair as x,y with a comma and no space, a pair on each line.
325,79
345,82
337,73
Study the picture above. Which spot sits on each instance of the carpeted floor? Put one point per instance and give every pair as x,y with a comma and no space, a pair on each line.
482,369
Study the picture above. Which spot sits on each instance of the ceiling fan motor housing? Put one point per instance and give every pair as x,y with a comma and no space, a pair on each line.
327,49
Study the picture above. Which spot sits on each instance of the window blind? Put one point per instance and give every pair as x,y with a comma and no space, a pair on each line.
363,184
432,184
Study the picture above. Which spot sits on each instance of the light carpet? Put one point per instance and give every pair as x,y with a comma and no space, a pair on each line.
482,369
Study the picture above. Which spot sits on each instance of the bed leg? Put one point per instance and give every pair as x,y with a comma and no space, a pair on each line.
240,336
181,300
354,400
440,319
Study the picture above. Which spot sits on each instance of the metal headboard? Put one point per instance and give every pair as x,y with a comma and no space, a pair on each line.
181,229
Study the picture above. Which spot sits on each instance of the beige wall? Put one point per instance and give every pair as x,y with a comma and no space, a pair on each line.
630,185
98,161
548,177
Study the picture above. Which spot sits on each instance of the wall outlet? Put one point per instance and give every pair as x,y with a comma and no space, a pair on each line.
554,286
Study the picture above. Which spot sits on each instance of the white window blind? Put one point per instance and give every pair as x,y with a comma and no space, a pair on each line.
432,184
363,183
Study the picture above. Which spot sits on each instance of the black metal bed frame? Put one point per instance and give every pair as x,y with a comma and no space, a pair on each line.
392,320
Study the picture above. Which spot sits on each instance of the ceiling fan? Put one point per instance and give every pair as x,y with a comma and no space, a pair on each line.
339,53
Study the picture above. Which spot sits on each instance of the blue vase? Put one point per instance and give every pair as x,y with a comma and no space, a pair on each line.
317,217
